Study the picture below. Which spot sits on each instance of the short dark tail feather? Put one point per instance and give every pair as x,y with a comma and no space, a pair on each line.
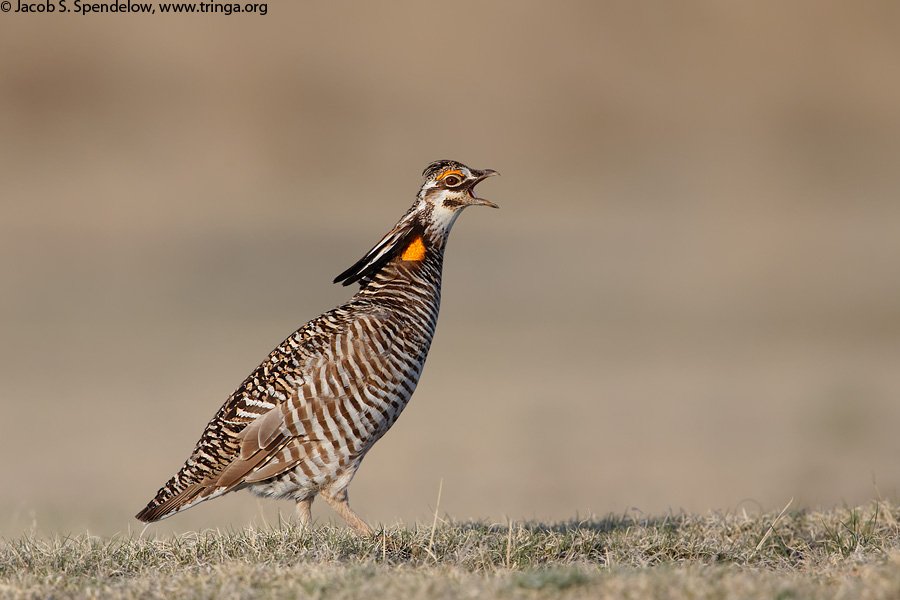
157,510
390,246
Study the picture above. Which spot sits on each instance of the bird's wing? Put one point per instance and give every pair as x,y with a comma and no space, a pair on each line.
274,447
285,436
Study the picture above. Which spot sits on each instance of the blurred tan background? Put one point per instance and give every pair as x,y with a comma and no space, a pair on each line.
690,298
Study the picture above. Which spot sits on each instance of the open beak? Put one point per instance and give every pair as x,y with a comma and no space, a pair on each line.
481,176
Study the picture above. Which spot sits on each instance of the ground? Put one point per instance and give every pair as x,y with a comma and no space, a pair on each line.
840,553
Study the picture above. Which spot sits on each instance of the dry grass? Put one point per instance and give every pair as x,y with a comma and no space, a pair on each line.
844,553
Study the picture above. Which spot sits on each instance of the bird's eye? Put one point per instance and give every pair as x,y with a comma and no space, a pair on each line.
452,180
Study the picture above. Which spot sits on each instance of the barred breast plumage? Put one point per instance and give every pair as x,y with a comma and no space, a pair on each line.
302,422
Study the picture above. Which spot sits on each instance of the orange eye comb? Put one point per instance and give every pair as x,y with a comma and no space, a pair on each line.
447,173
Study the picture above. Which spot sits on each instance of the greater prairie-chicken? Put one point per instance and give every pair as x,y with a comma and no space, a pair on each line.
302,422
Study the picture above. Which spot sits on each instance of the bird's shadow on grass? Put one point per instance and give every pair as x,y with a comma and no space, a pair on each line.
594,524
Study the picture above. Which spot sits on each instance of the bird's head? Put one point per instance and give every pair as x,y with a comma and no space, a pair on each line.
450,186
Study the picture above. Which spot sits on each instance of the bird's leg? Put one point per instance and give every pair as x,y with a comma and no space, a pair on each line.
341,505
303,511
